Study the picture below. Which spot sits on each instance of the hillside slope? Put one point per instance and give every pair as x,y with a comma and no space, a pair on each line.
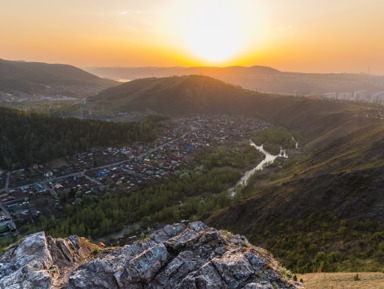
320,121
174,95
322,211
266,79
35,77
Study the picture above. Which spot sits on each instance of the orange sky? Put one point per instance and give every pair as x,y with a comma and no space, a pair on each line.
295,35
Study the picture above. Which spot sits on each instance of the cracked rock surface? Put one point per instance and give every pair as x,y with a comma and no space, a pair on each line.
177,256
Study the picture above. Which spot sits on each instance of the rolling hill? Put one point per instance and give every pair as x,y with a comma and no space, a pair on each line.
174,96
320,121
353,87
29,78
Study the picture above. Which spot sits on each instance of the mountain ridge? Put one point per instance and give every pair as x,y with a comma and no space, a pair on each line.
342,86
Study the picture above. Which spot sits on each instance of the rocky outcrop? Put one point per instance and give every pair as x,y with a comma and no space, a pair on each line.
37,261
177,256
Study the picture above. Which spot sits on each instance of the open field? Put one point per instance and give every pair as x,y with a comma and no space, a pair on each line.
57,163
368,280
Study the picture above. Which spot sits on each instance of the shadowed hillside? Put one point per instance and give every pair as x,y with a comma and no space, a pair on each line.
34,77
320,121
354,87
322,211
175,96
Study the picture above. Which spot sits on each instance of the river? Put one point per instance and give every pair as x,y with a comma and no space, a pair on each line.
267,160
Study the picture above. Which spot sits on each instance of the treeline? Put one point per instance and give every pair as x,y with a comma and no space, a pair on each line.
234,157
273,138
179,198
27,138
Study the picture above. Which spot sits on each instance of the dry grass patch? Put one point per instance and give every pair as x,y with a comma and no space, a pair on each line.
58,163
368,280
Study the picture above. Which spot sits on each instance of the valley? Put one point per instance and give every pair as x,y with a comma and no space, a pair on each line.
316,204
191,144
117,172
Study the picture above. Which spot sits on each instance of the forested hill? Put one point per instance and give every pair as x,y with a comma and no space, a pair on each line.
174,95
320,121
28,138
33,77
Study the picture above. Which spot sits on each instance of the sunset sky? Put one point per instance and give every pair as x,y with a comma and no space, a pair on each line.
294,35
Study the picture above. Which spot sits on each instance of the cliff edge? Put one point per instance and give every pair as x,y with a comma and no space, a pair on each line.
177,256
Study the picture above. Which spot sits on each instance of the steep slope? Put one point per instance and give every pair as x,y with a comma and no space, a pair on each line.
34,77
319,121
329,202
177,256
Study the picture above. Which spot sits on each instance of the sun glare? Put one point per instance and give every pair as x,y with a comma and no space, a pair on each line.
213,32
213,35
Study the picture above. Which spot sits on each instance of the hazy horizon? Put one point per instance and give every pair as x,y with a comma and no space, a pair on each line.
342,36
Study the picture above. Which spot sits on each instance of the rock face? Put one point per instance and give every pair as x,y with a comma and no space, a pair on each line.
177,256
37,261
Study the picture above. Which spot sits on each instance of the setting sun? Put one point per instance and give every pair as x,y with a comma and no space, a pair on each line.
344,36
214,32
213,35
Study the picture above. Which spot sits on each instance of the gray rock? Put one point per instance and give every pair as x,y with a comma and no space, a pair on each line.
234,268
36,261
177,256
23,265
209,277
187,237
27,277
144,267
198,226
262,285
177,269
167,232
94,274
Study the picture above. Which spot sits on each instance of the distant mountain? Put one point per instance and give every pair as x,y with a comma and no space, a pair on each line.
174,95
29,78
342,86
223,73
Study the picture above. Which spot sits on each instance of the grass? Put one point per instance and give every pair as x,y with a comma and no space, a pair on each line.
58,163
368,280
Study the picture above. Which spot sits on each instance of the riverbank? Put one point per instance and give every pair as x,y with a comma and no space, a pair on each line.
269,158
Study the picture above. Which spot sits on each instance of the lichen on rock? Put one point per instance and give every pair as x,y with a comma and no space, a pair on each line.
177,256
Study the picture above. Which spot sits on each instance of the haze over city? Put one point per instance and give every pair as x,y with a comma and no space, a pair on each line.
303,36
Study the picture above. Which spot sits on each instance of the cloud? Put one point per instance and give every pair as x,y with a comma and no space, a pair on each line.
123,13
